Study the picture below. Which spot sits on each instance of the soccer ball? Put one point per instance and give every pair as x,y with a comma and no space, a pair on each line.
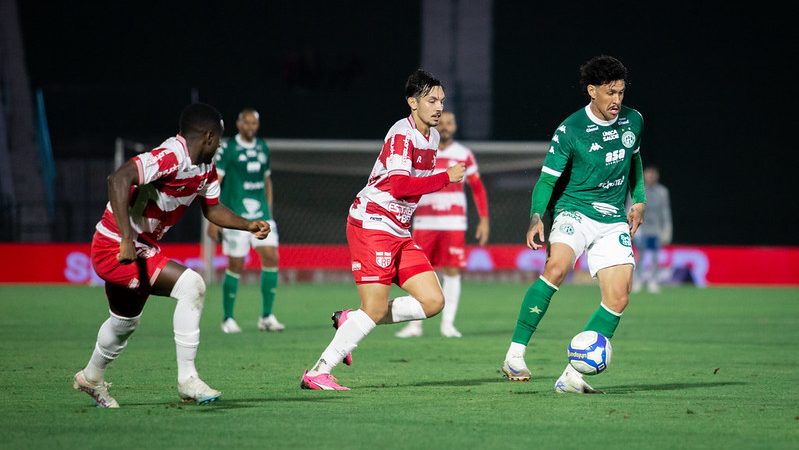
589,352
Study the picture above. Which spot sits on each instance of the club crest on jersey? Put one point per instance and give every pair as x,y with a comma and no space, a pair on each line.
356,266
383,259
567,228
624,239
628,139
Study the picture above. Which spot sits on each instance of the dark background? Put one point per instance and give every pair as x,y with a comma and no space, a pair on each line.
714,81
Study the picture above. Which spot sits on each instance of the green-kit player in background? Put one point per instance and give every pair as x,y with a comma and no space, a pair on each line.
244,168
593,162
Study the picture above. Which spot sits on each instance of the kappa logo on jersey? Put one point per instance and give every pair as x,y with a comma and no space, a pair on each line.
594,147
609,135
242,157
551,149
614,156
591,128
628,139
356,266
562,128
555,139
383,259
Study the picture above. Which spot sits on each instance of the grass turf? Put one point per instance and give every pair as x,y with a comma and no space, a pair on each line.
692,368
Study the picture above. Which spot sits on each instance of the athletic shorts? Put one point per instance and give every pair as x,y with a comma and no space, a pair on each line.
605,244
237,243
125,280
380,257
444,248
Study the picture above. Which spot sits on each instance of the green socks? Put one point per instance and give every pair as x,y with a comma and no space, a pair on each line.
268,286
229,288
534,306
604,321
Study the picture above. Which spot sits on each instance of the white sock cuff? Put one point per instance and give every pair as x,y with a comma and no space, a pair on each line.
232,274
122,325
454,278
268,269
364,322
617,314
517,349
548,283
406,308
190,339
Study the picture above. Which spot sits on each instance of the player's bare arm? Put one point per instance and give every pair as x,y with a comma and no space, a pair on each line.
456,172
635,217
213,230
482,232
119,184
536,229
268,191
220,215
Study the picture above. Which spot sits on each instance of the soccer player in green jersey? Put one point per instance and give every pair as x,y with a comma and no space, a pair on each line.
244,168
593,161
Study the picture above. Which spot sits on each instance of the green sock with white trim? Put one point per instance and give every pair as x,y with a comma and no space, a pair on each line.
268,288
230,287
604,321
534,306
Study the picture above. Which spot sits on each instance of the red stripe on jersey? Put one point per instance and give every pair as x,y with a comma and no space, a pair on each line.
165,218
374,208
424,158
399,144
183,187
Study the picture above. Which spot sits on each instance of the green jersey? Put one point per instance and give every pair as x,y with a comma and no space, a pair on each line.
592,159
244,166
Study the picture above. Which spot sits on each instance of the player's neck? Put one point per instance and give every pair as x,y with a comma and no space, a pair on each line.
444,144
421,126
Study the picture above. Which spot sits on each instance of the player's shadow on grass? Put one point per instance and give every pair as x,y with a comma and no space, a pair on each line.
442,383
630,388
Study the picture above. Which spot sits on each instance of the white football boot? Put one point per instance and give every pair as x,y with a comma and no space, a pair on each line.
270,323
195,390
97,391
571,382
449,330
229,326
413,329
515,369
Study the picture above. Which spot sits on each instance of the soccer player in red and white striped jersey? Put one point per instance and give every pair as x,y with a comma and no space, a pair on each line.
439,225
378,232
148,195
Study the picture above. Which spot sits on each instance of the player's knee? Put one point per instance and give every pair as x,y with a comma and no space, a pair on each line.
190,287
123,327
376,311
235,265
556,273
617,302
432,303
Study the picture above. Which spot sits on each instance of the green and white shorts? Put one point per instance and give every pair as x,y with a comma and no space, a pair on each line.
237,243
605,244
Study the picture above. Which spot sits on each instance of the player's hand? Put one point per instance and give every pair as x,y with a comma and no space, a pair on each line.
260,228
127,251
213,231
635,217
536,230
482,231
456,172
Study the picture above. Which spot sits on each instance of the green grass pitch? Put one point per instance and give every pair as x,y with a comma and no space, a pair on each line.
692,368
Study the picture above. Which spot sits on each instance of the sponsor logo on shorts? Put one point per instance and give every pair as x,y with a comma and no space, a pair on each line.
356,266
567,228
383,259
628,139
624,239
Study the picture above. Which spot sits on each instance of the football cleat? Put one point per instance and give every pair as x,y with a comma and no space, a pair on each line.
229,326
321,382
413,329
515,369
98,391
270,323
449,330
571,382
195,390
339,317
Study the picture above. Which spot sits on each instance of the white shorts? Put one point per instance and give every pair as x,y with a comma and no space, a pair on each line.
607,244
237,243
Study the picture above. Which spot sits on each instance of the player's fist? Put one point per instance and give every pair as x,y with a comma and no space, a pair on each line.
213,231
127,251
456,172
260,228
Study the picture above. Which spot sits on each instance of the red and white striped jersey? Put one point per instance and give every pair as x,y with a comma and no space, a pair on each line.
168,183
446,209
406,151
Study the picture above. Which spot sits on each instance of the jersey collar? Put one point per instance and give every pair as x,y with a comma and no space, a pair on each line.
182,141
597,120
247,145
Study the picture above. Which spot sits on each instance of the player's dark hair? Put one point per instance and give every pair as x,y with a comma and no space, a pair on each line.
200,118
419,84
600,70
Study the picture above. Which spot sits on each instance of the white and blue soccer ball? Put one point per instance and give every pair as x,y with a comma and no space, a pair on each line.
589,352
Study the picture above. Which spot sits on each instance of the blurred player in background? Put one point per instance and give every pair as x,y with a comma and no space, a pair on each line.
654,233
378,232
593,161
148,194
244,168
439,225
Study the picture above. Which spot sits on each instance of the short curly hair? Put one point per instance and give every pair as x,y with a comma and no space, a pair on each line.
600,70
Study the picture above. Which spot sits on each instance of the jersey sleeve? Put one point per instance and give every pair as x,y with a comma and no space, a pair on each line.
268,152
211,191
158,163
399,151
220,159
471,165
560,150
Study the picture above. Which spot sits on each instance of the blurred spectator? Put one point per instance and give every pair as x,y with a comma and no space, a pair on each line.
655,232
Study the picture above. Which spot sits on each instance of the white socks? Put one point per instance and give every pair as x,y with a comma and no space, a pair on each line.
189,291
515,350
452,295
111,340
406,308
348,335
